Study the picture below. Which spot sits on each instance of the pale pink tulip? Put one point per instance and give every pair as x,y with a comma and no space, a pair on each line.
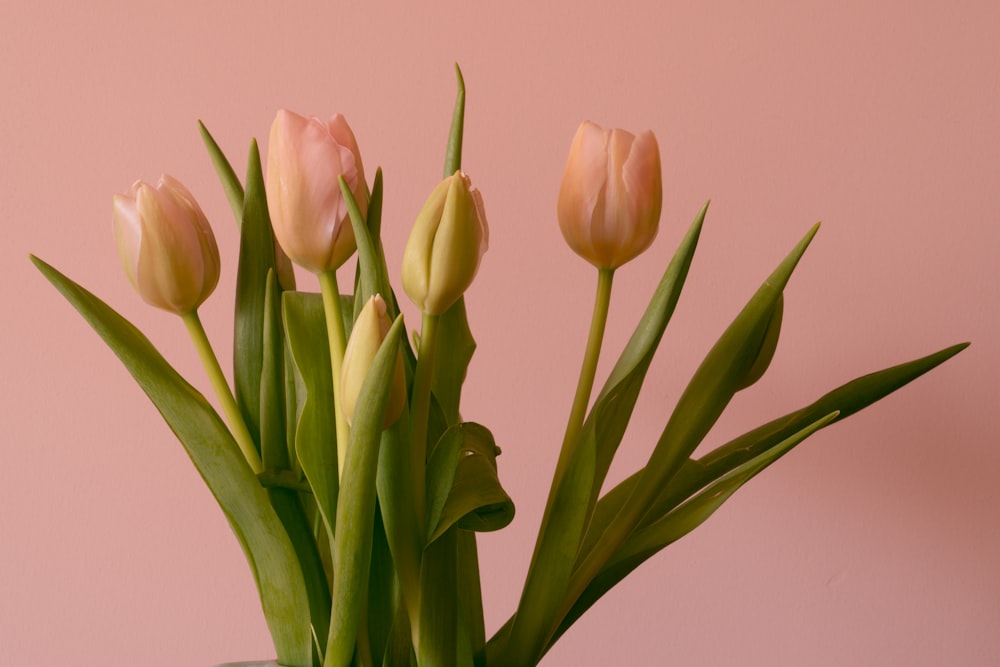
305,159
166,245
611,194
446,243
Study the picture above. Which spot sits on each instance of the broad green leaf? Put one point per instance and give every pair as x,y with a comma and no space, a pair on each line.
382,585
356,505
472,624
648,541
274,452
396,501
230,181
574,495
437,624
220,463
316,432
462,484
450,369
768,345
256,259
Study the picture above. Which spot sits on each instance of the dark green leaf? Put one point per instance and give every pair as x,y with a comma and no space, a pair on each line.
462,484
256,259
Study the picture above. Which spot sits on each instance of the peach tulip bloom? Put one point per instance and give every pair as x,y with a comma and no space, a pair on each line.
166,245
611,195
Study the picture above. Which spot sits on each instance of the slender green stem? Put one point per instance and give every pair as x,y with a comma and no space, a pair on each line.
420,405
588,370
225,395
335,334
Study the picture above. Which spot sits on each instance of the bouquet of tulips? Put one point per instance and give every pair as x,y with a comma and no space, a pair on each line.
342,461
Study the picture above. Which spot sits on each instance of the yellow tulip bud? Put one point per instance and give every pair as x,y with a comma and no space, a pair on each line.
369,331
446,243
166,245
611,195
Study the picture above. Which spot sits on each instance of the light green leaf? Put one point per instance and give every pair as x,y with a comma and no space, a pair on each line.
220,463
316,432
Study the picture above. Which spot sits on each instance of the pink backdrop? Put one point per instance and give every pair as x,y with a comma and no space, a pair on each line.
876,543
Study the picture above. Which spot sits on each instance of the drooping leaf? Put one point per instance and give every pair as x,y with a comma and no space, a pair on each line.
221,464
463,488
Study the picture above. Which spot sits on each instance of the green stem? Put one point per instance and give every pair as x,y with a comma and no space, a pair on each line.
420,411
335,334
588,370
225,395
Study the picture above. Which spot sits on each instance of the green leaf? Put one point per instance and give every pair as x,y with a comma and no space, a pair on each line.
372,272
848,399
274,452
256,259
273,448
316,432
462,484
659,534
453,154
450,369
399,516
356,506
707,394
573,497
614,405
221,464
230,181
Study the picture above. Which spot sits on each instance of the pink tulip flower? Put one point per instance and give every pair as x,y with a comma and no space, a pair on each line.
166,245
611,195
305,159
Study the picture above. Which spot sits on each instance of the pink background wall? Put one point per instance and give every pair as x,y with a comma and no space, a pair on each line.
876,543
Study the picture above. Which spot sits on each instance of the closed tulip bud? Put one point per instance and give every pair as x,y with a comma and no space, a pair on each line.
305,159
446,243
166,245
369,331
611,194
